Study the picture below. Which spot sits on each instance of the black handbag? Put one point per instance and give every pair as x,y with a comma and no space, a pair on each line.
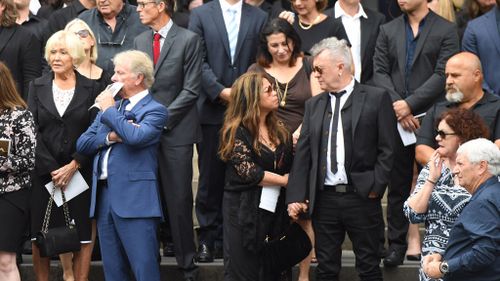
286,251
57,240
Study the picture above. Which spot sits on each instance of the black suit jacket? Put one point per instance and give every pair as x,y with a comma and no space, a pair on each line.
21,51
369,31
56,136
437,43
373,128
177,81
218,72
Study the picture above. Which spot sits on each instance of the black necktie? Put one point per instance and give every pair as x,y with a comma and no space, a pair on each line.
333,133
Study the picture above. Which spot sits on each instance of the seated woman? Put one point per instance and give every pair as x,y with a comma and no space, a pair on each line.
438,199
258,151
16,165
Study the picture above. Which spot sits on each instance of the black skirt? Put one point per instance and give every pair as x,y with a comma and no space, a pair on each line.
14,219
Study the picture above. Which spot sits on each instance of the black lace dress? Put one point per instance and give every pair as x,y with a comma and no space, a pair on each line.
246,226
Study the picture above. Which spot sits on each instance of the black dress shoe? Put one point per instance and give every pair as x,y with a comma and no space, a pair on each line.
394,258
168,250
416,257
204,254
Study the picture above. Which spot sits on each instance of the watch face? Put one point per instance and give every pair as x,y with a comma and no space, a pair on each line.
443,267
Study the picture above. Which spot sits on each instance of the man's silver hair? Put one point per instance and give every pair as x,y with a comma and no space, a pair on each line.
337,49
481,149
139,63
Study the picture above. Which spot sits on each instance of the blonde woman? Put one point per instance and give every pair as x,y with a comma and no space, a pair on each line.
443,8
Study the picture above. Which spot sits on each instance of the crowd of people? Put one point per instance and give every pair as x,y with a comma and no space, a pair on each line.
300,110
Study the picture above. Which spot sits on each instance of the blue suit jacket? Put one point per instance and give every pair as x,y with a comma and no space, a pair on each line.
217,71
132,164
482,38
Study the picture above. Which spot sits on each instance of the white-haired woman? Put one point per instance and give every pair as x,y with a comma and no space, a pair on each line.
59,101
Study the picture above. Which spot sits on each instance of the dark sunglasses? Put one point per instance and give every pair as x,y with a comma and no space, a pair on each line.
443,134
318,69
83,33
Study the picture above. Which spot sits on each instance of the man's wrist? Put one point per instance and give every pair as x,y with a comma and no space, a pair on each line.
444,268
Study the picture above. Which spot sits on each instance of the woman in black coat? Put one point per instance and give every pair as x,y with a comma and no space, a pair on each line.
60,102
19,49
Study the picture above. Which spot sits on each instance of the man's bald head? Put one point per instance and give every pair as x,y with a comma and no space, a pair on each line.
464,77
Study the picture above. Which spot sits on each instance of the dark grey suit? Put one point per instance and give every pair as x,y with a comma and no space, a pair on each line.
218,73
437,41
177,86
368,125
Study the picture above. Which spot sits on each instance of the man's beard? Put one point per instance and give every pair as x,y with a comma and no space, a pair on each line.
453,94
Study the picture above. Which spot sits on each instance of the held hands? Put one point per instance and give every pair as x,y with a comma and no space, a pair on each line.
105,100
63,175
401,108
431,265
294,209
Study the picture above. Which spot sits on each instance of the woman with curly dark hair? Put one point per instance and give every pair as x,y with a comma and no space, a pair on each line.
438,199
258,151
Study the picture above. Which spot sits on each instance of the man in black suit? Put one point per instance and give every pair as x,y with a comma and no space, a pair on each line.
178,57
410,56
230,32
342,164
362,26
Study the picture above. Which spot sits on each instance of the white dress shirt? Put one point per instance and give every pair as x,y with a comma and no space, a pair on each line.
164,32
133,101
225,6
352,26
341,176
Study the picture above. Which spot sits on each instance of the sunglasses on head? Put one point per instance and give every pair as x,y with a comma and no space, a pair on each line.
442,134
318,69
84,33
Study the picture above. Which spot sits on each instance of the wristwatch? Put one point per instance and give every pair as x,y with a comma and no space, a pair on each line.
443,267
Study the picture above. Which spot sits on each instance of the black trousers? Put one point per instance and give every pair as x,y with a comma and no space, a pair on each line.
176,174
398,192
336,214
210,187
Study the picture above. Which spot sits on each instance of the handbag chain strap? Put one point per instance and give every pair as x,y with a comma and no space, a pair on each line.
48,211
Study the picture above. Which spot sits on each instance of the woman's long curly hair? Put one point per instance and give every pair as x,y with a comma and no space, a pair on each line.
244,110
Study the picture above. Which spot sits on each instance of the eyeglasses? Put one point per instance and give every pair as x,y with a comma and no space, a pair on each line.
318,69
442,134
84,33
142,5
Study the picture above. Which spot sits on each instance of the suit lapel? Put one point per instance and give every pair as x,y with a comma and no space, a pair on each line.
167,45
245,23
423,34
5,34
45,95
401,44
220,26
145,100
319,114
366,31
492,29
358,100
82,88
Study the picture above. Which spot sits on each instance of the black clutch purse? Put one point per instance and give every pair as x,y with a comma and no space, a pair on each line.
57,240
286,251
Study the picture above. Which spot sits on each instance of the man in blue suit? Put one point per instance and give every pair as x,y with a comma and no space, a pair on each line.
482,37
229,30
125,197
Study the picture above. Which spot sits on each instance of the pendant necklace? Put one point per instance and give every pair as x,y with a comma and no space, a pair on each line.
309,26
281,94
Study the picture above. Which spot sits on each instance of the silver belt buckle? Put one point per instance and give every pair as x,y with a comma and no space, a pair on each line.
342,188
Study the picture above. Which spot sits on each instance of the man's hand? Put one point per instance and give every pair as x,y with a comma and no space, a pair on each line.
294,209
401,108
288,16
225,94
114,137
295,136
105,100
409,123
431,265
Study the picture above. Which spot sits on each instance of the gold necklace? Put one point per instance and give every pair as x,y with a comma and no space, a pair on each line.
311,25
281,95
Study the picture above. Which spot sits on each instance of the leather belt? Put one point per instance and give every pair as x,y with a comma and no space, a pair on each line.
340,188
103,183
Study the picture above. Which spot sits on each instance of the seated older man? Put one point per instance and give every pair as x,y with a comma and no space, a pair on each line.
473,250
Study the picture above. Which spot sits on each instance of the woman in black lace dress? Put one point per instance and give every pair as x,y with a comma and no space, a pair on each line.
258,151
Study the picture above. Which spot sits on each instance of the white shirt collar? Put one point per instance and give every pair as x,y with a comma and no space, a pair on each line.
165,29
225,5
348,89
136,98
339,12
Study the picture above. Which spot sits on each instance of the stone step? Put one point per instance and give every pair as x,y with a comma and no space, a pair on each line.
215,271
